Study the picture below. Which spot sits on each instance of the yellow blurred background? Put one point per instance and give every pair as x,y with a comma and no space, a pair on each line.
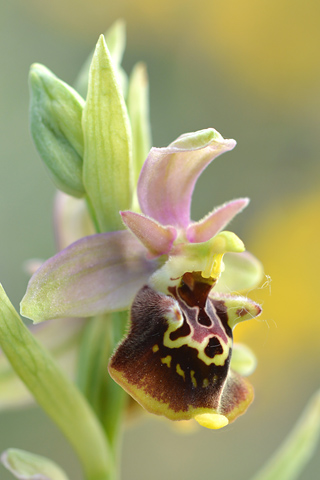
251,70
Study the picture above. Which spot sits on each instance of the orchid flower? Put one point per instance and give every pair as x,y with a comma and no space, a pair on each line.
165,260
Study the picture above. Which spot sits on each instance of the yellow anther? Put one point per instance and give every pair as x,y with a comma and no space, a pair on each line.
212,420
214,266
219,245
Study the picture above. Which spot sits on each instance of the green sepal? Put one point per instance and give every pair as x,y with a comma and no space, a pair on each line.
58,397
107,172
138,108
115,38
55,120
27,466
298,448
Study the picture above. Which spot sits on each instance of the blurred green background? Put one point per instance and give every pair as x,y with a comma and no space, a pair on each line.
251,70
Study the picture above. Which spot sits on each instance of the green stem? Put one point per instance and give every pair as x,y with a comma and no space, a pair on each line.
58,397
107,399
116,397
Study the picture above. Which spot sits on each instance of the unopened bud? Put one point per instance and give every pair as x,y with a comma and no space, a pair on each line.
55,116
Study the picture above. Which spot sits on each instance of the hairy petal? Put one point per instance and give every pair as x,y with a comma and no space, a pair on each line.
155,237
215,221
96,274
242,272
169,175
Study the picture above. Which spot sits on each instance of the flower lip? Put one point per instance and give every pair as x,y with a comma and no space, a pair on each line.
175,358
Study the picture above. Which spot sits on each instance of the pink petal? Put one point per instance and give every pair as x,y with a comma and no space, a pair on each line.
155,237
169,175
215,221
94,275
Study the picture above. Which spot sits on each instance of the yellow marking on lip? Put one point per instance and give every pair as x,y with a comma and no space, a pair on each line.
167,360
193,379
205,382
155,348
180,371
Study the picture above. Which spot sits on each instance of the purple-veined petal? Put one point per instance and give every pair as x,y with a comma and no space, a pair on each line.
94,275
169,175
215,221
155,237
243,272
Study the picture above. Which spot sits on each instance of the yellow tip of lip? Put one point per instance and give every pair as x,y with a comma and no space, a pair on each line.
212,420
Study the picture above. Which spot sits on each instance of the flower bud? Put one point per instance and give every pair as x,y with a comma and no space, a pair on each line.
55,117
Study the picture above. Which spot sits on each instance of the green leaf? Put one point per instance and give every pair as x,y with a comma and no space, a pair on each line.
297,450
27,466
55,117
107,172
58,397
138,108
